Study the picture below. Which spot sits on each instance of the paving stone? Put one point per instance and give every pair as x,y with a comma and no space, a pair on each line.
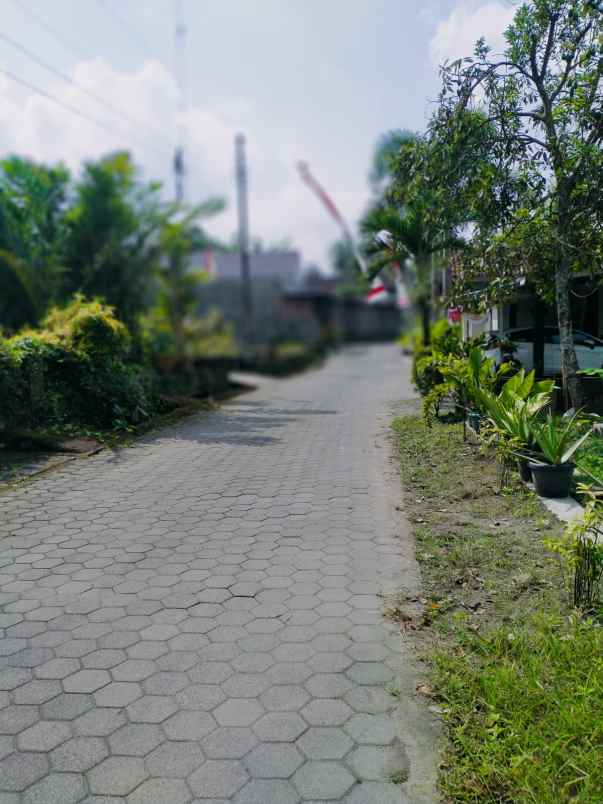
220,641
14,719
116,776
175,759
200,696
376,763
218,778
280,727
161,791
151,709
99,722
7,745
323,780
325,743
377,793
229,742
263,791
21,769
273,761
371,729
284,698
238,712
79,754
118,693
135,739
86,681
12,677
133,670
326,712
36,692
56,788
371,700
189,725
104,659
58,668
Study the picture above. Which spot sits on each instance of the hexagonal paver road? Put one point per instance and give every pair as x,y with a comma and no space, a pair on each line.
198,618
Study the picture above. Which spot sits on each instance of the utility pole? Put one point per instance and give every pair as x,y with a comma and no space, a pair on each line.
180,70
243,211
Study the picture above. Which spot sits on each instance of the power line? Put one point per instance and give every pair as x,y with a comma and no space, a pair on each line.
52,31
125,26
67,106
74,83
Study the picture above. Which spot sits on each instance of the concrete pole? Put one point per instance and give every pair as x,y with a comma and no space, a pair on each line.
243,213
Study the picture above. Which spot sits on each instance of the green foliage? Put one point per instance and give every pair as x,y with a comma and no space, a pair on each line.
535,197
203,336
589,460
513,413
75,372
344,262
465,378
524,708
518,683
88,327
446,338
557,440
33,199
582,549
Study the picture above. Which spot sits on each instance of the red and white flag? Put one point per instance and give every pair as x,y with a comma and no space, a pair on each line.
378,292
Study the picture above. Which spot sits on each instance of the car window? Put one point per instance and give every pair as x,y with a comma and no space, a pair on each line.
522,335
583,339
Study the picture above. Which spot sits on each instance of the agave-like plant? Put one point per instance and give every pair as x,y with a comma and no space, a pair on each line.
556,439
514,412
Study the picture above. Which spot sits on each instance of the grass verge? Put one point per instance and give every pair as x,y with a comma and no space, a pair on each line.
516,677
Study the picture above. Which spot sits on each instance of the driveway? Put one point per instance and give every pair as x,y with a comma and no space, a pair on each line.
199,617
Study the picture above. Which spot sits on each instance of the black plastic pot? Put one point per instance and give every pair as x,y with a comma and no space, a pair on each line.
524,470
552,481
473,419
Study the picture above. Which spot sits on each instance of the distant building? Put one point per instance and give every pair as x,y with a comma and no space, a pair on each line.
284,266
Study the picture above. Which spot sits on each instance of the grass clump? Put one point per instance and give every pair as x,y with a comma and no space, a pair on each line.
524,709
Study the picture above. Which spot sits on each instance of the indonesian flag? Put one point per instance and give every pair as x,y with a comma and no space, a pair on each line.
378,292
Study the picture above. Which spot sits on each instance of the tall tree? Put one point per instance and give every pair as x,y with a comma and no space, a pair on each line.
112,247
386,150
543,102
179,280
33,201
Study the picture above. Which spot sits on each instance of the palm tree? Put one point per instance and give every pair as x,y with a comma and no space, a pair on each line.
411,245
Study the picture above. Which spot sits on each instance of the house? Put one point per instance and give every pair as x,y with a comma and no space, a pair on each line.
537,322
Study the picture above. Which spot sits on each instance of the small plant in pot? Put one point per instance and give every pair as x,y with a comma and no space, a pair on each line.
552,469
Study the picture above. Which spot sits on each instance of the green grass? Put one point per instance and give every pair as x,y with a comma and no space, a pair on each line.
524,709
590,459
518,677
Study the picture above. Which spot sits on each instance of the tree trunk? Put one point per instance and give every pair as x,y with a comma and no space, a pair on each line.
569,362
425,309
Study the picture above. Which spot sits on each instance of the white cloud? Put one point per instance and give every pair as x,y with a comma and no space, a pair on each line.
281,206
455,37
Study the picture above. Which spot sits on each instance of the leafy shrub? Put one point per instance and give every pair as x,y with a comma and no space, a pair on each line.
446,338
89,327
427,374
209,335
582,550
74,372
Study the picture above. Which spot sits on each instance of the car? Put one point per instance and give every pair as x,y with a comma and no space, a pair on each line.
520,343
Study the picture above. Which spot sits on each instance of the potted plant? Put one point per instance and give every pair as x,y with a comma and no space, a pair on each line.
513,415
557,441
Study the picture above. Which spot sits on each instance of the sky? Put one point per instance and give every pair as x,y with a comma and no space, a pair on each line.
312,80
